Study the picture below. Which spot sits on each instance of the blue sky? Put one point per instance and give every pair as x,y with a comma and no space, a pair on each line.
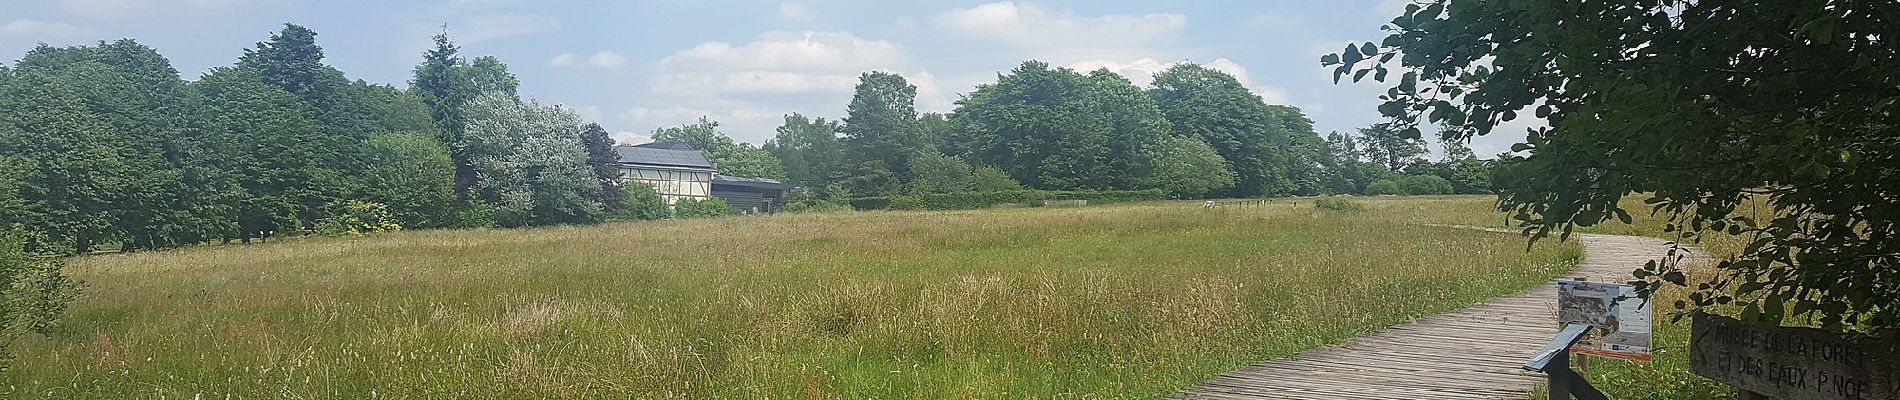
637,65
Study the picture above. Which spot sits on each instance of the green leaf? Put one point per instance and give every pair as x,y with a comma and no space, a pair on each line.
1368,48
1329,59
1676,277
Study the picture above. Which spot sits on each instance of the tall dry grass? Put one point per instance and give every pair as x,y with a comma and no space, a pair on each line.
1127,301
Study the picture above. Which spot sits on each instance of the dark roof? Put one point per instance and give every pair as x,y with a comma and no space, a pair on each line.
687,158
740,181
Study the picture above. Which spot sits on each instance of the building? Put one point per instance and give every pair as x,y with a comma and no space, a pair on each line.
749,195
678,171
675,170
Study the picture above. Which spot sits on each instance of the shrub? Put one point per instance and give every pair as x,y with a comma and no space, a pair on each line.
1337,204
642,203
708,208
1424,184
975,200
816,206
990,179
906,202
358,218
33,293
474,214
1110,196
1383,187
870,203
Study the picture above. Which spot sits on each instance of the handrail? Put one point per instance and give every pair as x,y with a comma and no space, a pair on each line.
1554,361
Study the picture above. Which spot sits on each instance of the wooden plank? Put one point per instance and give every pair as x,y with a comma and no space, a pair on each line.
1472,353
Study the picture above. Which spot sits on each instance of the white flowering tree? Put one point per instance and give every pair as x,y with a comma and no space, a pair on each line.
531,165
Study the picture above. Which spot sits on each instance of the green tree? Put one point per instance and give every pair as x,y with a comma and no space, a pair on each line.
1704,106
1384,186
1424,184
488,74
411,174
880,132
933,128
444,83
1054,128
1188,168
1273,149
751,162
64,161
732,158
533,166
104,136
266,139
810,151
933,172
1389,146
292,61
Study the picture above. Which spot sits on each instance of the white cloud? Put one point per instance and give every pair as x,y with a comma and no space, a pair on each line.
627,137
45,31
1142,71
791,10
778,62
806,49
1029,26
481,28
600,59
754,81
606,59
589,113
748,87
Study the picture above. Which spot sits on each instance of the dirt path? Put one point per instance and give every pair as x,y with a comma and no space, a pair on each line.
1471,353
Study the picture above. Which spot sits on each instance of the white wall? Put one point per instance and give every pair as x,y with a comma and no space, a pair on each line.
672,185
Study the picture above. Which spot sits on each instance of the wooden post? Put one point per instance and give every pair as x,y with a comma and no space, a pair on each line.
1565,383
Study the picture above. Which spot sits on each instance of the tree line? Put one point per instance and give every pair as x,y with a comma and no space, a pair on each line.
105,146
1197,132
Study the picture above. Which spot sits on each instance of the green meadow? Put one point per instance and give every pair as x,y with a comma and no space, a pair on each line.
1119,301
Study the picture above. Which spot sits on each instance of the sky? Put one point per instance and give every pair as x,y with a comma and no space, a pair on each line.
634,66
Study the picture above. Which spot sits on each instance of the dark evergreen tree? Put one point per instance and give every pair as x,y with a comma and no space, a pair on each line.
880,132
444,83
606,165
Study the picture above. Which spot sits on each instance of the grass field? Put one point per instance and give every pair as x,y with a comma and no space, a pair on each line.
1126,301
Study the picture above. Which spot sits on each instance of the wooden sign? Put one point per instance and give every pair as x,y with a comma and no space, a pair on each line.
1794,363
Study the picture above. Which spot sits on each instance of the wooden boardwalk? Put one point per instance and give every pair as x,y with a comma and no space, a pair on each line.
1472,353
